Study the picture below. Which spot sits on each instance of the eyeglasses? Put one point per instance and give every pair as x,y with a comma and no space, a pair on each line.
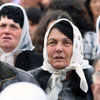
96,77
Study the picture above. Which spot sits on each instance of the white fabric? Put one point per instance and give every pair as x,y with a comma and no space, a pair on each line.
25,42
23,91
77,63
98,34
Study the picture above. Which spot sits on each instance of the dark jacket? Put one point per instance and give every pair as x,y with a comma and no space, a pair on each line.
29,60
71,88
9,75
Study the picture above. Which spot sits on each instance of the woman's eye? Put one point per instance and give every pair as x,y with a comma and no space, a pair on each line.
67,43
2,25
51,43
14,26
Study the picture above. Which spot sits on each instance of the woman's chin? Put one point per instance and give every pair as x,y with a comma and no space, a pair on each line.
59,66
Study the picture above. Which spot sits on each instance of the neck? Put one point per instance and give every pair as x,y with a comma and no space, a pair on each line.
68,74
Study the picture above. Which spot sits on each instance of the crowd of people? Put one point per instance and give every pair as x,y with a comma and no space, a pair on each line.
49,50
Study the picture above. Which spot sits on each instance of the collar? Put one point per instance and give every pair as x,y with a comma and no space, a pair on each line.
6,72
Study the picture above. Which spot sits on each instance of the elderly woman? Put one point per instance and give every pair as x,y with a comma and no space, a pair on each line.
65,75
16,47
96,79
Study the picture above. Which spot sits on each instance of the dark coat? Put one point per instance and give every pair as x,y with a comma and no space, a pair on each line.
71,88
29,60
9,75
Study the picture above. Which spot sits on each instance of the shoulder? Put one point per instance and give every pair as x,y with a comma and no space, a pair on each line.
21,75
90,35
28,60
29,54
88,74
11,75
24,76
41,76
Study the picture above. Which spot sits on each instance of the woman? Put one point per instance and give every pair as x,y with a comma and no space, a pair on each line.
16,47
65,75
34,15
93,7
38,39
77,11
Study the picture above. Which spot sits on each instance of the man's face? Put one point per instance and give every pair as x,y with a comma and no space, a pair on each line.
10,33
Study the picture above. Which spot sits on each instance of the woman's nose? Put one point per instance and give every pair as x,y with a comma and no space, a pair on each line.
7,30
59,48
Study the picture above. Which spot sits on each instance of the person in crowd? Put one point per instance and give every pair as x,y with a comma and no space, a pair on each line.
83,1
16,46
93,7
77,10
34,16
51,16
65,75
5,1
98,30
44,4
23,91
10,75
16,1
96,79
1,3
28,3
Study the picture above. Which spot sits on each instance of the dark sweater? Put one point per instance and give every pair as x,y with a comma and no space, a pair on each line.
29,60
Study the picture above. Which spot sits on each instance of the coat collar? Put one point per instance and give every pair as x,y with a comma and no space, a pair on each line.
6,72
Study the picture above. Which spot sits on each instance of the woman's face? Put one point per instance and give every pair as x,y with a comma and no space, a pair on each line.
45,3
95,7
32,29
10,33
28,3
96,83
59,49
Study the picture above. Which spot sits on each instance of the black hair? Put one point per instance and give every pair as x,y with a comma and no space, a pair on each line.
34,15
38,40
14,13
87,5
77,11
66,28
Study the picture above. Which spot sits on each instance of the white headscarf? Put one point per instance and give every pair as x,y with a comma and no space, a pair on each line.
25,42
77,63
23,91
98,33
